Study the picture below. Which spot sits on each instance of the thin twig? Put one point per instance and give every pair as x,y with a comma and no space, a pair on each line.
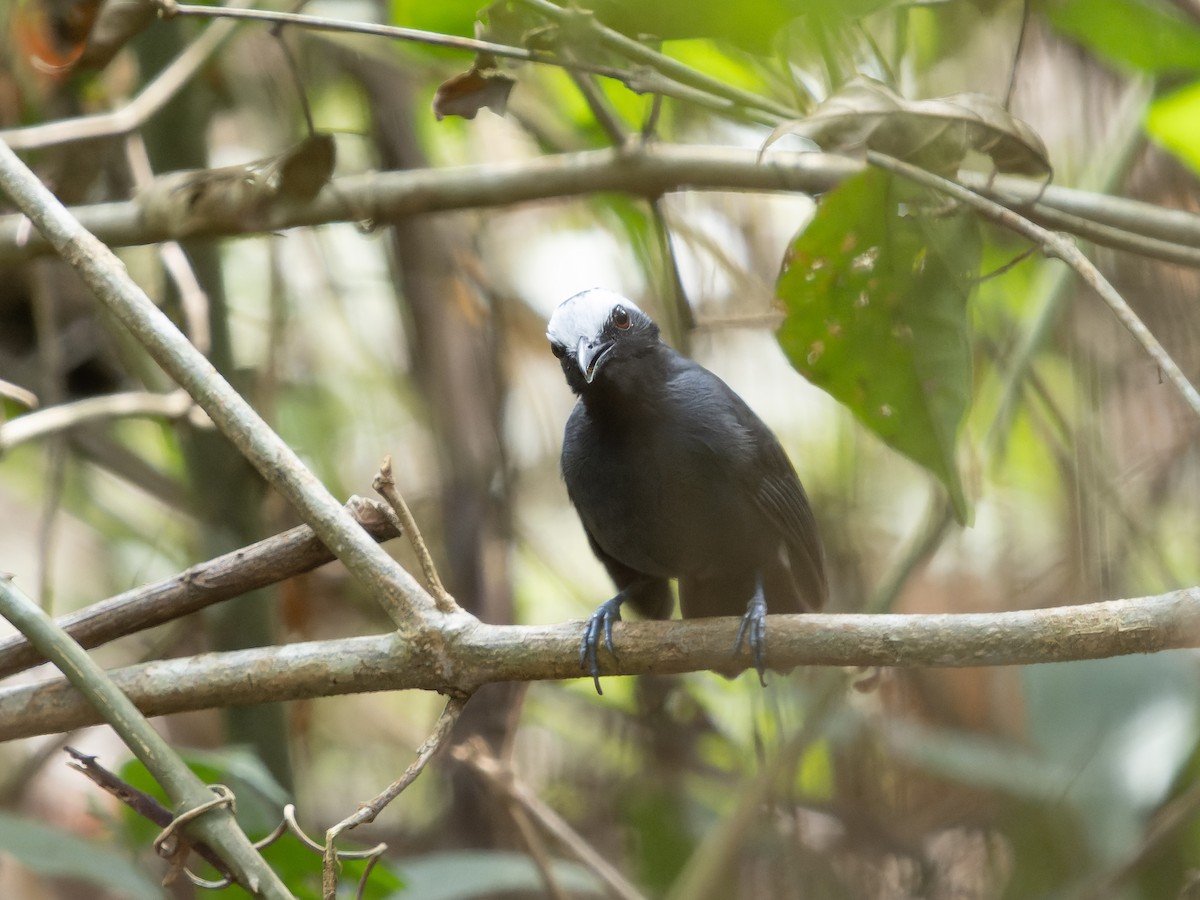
153,97
681,313
606,117
218,828
505,782
18,394
700,878
368,811
1053,245
394,32
537,851
398,593
671,68
643,79
193,299
385,485
56,419
142,803
1017,52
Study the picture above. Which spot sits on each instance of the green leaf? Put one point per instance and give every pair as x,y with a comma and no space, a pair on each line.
1147,36
876,305
1174,122
460,876
61,854
751,24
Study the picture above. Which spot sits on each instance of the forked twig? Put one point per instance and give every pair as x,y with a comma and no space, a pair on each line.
385,485
368,811
515,791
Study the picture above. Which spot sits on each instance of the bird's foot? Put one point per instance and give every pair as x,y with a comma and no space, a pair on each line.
600,624
753,630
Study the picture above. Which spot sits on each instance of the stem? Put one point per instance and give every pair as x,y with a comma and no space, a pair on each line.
217,828
1053,245
405,601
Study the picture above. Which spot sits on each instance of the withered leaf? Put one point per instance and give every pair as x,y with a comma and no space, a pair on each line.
464,95
306,167
53,35
934,134
237,197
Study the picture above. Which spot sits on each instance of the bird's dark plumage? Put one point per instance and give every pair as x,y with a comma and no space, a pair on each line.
674,476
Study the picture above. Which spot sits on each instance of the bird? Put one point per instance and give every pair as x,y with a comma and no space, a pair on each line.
673,476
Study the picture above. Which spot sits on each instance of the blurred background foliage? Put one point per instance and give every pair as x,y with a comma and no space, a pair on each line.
424,339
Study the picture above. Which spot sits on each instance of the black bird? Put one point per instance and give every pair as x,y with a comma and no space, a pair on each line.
674,476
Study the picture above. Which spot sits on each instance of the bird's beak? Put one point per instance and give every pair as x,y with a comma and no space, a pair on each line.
589,355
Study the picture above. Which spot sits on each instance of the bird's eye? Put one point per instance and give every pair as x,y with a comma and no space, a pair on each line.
620,317
558,350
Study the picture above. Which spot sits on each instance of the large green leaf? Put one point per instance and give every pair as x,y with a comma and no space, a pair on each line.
876,303
61,854
1146,35
1174,122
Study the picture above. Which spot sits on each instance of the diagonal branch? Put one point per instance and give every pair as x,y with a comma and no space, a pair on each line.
217,828
367,812
1053,245
470,653
269,561
402,597
153,97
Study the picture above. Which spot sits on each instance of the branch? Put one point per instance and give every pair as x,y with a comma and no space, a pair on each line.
65,416
469,653
217,828
519,795
137,800
655,73
672,68
403,598
153,97
269,561
645,170
385,484
1053,245
367,812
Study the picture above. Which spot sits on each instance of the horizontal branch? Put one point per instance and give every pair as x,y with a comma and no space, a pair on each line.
464,654
65,416
647,171
269,561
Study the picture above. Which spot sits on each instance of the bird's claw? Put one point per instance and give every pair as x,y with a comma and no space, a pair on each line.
753,630
600,624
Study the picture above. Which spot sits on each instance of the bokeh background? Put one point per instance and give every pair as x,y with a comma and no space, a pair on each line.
424,339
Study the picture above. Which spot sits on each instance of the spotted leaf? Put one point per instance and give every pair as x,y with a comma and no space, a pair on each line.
876,291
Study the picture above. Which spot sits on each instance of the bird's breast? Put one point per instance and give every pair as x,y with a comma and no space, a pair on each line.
657,499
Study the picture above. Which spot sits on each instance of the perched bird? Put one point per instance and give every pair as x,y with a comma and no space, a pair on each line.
673,476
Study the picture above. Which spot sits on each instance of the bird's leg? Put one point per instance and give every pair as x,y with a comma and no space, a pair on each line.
601,623
753,630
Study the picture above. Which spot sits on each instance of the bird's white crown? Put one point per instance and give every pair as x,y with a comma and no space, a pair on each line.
584,316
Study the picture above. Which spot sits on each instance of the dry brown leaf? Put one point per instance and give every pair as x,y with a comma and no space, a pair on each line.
464,95
934,134
238,197
52,34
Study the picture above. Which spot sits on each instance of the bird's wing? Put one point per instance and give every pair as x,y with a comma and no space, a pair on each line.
767,474
779,494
